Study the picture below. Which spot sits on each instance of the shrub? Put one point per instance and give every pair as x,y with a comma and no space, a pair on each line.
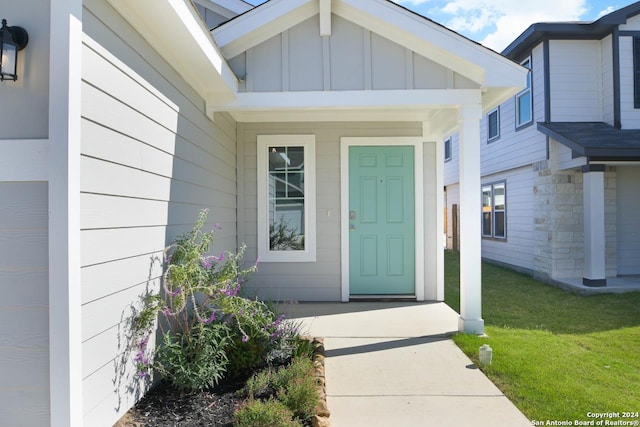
269,413
196,361
297,387
198,293
294,385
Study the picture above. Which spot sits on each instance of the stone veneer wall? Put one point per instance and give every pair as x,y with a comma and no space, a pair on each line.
558,222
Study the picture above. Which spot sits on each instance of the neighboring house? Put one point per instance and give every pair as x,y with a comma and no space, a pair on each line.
128,117
560,160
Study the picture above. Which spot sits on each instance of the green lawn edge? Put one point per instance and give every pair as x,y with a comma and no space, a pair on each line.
556,355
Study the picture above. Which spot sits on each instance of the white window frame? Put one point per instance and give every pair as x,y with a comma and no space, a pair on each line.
495,111
526,91
308,143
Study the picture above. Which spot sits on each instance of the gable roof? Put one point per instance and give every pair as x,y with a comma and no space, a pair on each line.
596,140
383,17
594,30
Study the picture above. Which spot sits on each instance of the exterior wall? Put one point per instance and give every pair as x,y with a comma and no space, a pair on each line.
606,45
150,160
516,249
24,223
628,203
629,116
633,24
516,148
352,58
28,117
452,167
24,314
576,73
559,224
320,280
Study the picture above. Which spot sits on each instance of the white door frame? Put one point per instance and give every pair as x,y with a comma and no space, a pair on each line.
417,143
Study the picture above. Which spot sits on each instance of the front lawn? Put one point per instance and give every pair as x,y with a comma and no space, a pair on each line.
556,355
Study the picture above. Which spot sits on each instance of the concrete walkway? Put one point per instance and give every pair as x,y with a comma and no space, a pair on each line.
393,364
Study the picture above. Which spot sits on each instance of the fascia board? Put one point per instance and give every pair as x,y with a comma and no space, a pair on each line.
349,99
174,29
226,8
260,24
478,63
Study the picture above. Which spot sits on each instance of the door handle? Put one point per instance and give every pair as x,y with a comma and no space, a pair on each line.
352,215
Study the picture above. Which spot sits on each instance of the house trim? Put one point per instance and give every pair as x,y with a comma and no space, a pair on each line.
308,142
617,115
417,143
65,304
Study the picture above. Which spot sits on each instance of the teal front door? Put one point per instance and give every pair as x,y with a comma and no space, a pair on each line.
381,220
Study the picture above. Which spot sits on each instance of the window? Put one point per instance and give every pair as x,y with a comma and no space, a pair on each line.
493,125
286,198
636,72
523,99
447,149
494,213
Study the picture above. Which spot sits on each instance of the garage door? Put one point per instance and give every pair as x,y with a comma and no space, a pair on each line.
628,219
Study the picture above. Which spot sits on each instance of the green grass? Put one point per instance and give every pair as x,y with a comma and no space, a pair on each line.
556,355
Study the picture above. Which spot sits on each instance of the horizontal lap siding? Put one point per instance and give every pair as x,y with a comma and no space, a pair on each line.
320,280
516,148
151,160
576,88
518,248
24,313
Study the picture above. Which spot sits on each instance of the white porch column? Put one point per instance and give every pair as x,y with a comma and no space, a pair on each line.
470,234
594,229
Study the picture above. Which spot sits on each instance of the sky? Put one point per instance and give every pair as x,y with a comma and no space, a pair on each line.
496,23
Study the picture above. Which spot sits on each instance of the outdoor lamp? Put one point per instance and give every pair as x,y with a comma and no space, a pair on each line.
12,39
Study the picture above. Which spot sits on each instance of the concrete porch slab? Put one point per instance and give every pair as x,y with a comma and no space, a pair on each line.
393,364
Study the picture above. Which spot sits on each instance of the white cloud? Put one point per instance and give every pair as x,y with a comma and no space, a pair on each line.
496,23
606,12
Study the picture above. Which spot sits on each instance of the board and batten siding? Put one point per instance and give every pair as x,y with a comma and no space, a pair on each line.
352,58
576,73
150,161
303,281
24,306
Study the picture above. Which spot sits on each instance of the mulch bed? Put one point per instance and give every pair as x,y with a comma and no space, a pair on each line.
166,407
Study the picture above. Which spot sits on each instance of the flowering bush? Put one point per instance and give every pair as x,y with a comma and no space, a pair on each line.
203,320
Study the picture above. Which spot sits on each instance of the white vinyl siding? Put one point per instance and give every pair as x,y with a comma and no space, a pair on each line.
24,314
352,58
150,161
452,168
575,71
303,281
518,248
628,232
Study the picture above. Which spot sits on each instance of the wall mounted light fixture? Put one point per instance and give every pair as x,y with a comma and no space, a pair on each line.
12,40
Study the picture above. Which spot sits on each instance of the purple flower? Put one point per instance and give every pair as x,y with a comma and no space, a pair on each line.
217,227
231,291
177,292
245,338
143,374
210,319
168,313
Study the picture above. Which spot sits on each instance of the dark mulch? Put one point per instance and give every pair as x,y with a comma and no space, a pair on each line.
166,407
